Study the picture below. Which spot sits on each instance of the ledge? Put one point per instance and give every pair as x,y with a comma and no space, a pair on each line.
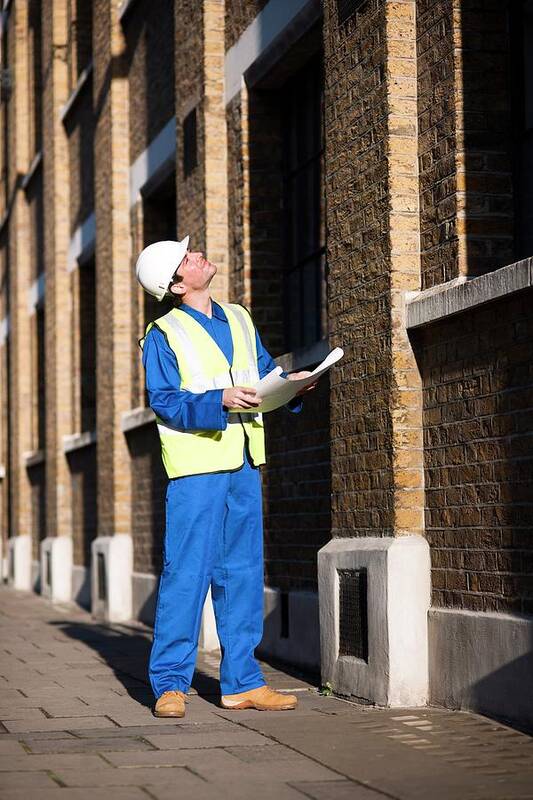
34,166
82,80
462,294
304,357
2,471
33,457
75,441
124,8
136,418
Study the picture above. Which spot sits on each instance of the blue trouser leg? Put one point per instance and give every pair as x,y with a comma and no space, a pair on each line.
237,583
213,535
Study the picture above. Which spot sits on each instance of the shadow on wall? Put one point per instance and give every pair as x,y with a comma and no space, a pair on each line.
477,372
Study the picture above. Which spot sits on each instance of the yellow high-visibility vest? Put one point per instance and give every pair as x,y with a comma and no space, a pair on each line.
203,366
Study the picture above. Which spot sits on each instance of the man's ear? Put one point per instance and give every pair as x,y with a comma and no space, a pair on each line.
177,288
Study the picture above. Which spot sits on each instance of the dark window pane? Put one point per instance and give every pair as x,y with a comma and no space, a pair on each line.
302,173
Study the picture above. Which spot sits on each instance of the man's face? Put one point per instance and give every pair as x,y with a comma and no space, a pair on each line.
193,274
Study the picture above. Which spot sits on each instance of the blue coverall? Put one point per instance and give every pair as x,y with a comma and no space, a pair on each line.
213,535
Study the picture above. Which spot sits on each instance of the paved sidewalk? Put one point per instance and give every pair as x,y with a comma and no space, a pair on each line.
76,721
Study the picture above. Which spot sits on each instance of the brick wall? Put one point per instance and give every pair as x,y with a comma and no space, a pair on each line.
80,131
36,476
465,138
296,492
478,393
296,479
483,87
35,200
358,258
149,33
437,141
82,464
148,501
189,95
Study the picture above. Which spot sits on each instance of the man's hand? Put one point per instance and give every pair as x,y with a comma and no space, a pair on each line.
295,376
240,397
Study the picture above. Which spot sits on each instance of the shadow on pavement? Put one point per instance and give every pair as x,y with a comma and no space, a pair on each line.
127,652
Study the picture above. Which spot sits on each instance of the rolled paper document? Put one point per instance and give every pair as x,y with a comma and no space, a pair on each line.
276,391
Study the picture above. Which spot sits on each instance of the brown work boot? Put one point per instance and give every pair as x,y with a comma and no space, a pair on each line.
171,704
264,699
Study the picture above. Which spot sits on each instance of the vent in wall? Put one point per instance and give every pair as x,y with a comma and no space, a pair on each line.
101,576
353,617
347,8
48,570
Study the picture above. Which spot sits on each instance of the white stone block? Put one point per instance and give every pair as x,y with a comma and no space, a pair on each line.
398,598
56,568
111,591
300,643
208,638
19,559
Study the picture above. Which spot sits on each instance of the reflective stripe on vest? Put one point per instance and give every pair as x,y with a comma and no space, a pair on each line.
204,367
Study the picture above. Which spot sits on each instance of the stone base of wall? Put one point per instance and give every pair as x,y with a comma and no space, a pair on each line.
56,568
301,645
81,586
395,669
482,662
111,590
20,562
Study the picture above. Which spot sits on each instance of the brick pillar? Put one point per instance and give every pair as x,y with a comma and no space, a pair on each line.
376,417
58,320
114,285
202,195
20,387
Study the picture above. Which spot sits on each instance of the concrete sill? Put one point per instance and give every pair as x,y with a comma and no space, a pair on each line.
82,80
124,8
136,418
34,166
2,471
75,441
304,357
462,294
33,458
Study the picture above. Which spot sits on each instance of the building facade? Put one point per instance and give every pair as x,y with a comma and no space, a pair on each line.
361,171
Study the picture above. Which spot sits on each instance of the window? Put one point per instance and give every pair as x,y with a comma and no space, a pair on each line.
522,100
87,345
305,312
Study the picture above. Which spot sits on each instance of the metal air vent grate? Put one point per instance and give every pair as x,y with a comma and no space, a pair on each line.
102,576
353,617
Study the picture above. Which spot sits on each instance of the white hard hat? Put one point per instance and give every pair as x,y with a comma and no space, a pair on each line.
157,263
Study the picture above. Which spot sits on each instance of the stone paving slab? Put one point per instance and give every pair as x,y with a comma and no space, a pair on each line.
76,722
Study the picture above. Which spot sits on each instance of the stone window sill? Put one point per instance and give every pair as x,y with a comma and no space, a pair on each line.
462,294
75,441
2,471
34,166
82,80
124,8
136,418
33,458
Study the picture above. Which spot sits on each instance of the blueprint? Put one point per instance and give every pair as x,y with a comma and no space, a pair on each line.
275,391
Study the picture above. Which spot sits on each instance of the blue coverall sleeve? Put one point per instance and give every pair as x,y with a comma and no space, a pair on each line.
180,409
266,364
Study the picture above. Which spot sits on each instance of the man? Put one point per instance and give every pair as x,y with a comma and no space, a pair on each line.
201,361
